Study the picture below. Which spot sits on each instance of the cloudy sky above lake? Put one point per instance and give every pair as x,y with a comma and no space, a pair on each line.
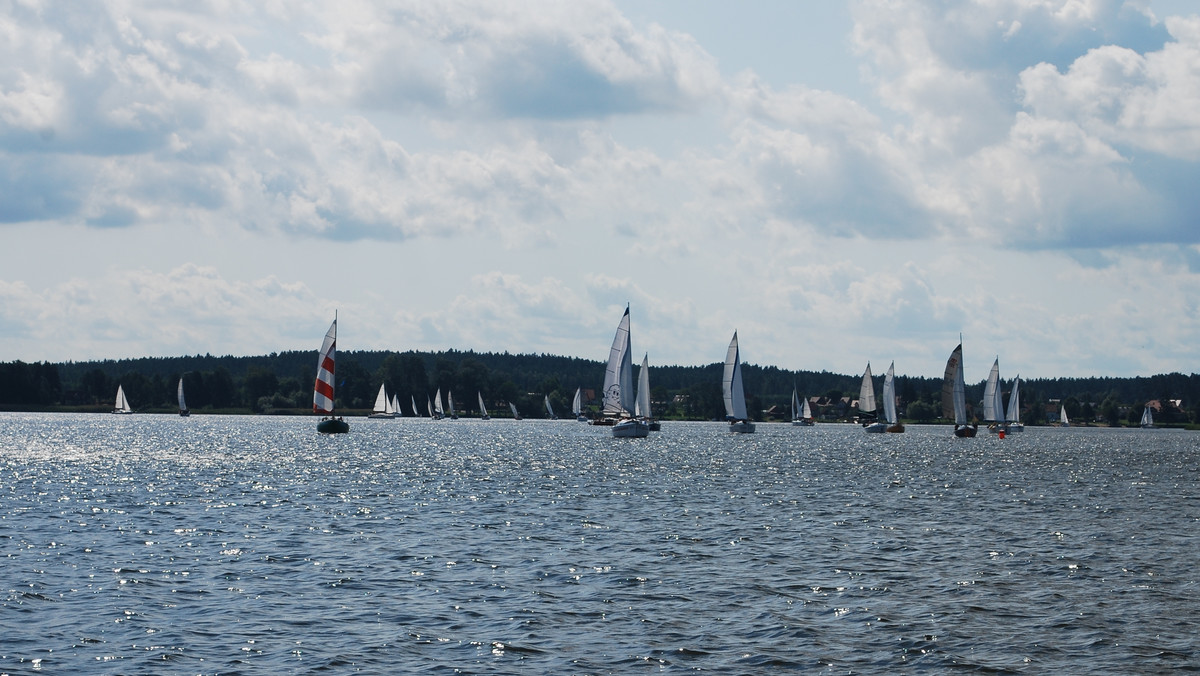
838,182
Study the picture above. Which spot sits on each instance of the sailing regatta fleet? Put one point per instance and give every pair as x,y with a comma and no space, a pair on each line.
626,408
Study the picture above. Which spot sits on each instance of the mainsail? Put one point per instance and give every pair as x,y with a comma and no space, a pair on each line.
323,387
618,375
1014,402
179,392
954,389
889,395
641,407
866,392
993,409
731,383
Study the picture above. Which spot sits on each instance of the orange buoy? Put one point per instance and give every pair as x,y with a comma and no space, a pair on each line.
1001,434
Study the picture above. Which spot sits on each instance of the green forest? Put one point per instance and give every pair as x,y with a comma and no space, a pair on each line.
281,383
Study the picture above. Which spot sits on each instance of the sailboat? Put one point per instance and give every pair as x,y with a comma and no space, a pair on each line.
641,404
323,387
438,411
183,409
383,406
513,407
993,408
550,409
1063,421
1013,417
866,404
482,409
1147,417
413,398
121,405
396,406
954,395
618,387
889,400
577,406
733,392
450,402
801,412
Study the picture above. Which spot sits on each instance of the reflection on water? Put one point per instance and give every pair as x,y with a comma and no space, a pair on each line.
217,544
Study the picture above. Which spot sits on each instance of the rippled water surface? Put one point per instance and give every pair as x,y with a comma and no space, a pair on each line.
156,544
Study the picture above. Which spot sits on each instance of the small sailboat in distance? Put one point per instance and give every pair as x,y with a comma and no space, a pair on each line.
323,387
1014,408
513,407
1147,417
1063,420
550,409
801,412
183,409
619,396
889,400
483,414
954,395
383,405
866,404
733,391
121,405
577,406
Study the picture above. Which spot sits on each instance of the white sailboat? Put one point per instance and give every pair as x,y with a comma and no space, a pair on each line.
1062,417
450,403
438,411
618,387
889,401
577,406
801,412
513,407
413,398
323,386
866,404
396,406
733,391
121,405
483,415
550,409
993,407
183,409
954,395
383,405
1147,417
1013,417
641,405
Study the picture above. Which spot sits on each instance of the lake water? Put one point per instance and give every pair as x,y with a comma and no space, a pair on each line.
205,545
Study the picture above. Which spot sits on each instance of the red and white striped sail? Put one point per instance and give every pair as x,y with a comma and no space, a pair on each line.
323,388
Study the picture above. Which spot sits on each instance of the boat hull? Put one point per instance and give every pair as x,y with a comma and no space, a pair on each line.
965,431
631,429
382,416
184,413
741,427
800,422
875,428
896,429
333,426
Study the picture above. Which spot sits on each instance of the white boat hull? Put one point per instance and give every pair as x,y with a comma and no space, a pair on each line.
875,428
631,429
741,427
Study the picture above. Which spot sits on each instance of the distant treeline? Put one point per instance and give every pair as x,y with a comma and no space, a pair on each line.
282,382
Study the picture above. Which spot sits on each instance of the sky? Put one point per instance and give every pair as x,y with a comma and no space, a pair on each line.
838,182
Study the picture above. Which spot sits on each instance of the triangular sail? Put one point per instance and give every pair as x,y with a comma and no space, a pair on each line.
806,410
577,403
889,395
993,410
122,403
413,398
731,383
1147,417
513,407
323,387
549,408
618,375
1062,415
179,392
954,389
641,407
1014,402
866,392
482,408
795,405
381,400
437,404
450,403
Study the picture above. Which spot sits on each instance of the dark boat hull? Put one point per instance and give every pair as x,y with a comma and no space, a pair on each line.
333,426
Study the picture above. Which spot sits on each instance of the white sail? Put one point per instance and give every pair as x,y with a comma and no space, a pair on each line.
381,401
121,405
795,405
1062,415
641,407
993,409
394,406
179,393
437,404
731,383
889,395
482,409
549,408
618,375
954,389
428,406
1147,417
450,404
866,392
413,398
513,407
323,387
1014,402
806,410
577,402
